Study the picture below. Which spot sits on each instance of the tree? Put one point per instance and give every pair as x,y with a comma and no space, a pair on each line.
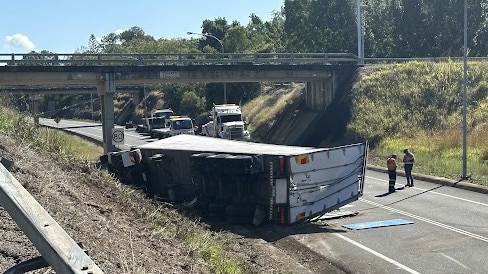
236,39
296,27
192,104
409,25
93,45
217,28
332,27
478,27
134,33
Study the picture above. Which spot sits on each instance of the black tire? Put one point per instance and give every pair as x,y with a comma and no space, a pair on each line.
239,210
238,220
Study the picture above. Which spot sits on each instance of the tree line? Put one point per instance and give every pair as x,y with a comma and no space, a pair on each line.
392,28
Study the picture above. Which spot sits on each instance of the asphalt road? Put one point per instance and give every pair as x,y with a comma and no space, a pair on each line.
93,131
447,233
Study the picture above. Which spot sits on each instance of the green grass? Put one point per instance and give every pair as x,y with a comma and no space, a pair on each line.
21,127
418,105
213,253
264,109
439,154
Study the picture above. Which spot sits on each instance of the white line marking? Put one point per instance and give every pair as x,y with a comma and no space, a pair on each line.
441,194
454,229
454,260
377,254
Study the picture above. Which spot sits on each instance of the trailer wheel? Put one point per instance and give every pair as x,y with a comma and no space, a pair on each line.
238,220
237,164
216,211
239,210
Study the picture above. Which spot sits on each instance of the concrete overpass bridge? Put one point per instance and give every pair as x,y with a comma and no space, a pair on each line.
107,74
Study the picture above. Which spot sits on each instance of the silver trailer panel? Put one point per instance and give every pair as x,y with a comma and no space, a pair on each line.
217,145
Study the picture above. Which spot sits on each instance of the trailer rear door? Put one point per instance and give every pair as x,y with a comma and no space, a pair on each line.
323,181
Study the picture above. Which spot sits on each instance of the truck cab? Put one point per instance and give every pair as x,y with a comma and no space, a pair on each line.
180,125
226,123
156,121
163,113
175,125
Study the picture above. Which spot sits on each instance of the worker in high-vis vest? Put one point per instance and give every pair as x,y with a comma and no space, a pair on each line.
391,165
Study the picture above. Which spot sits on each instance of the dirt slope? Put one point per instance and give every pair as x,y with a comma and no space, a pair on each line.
295,124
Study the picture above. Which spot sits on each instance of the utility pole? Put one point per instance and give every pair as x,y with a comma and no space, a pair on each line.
465,90
360,29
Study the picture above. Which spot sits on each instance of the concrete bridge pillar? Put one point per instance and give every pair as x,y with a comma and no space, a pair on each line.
106,90
35,107
136,98
319,93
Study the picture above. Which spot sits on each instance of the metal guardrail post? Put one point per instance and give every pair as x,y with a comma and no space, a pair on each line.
62,253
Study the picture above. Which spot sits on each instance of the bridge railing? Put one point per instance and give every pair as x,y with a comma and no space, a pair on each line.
181,59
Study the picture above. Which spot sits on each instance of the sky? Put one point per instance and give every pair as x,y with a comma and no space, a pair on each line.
64,26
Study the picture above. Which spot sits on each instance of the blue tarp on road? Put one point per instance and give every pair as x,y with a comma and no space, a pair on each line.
384,223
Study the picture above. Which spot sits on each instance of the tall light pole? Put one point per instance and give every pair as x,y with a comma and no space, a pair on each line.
221,50
360,27
465,69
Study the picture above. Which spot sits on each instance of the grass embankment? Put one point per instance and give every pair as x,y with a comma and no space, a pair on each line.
418,105
264,109
208,245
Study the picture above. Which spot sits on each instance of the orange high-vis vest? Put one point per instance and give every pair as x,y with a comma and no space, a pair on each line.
391,163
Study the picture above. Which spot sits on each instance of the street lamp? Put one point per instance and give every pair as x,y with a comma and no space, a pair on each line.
360,27
465,69
221,51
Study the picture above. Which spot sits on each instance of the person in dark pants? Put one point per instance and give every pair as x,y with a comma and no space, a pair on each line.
391,165
408,160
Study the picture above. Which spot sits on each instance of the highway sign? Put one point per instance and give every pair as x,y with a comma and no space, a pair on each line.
118,136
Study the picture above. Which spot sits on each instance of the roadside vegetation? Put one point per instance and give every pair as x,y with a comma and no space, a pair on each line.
418,105
264,109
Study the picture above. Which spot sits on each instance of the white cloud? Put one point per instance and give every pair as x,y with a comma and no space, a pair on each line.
20,41
119,31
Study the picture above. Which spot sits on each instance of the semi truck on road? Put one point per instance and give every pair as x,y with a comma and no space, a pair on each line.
245,182
226,123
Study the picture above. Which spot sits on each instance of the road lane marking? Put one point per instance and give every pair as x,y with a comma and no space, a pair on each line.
456,261
448,227
377,254
437,193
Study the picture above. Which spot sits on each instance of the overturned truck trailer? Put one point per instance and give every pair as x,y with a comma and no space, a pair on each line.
247,182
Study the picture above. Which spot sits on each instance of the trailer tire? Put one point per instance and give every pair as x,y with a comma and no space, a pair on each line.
237,165
238,220
239,210
216,211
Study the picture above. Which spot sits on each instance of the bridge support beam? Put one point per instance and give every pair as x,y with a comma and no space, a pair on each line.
319,93
136,98
35,107
106,91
